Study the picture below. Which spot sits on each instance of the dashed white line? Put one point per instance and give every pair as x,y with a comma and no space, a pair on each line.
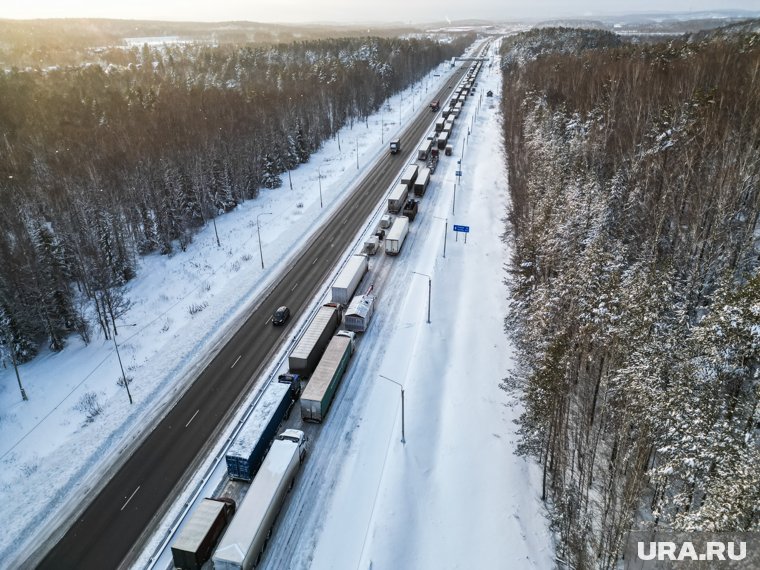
315,260
130,498
238,358
191,419
294,287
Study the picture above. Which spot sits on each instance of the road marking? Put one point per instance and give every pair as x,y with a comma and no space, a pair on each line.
294,287
130,497
315,260
191,419
238,358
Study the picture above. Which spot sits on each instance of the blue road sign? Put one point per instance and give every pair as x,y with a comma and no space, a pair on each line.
464,229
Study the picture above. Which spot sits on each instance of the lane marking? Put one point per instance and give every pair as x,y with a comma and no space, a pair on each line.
315,260
267,321
191,419
130,497
294,287
236,361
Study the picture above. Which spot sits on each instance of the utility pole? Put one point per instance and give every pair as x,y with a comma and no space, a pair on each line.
319,175
15,368
216,233
118,356
258,233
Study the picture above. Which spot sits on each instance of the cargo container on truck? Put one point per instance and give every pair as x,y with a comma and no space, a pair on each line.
309,349
443,139
250,445
200,533
395,146
439,124
424,149
359,313
397,198
409,175
319,392
396,236
242,545
423,179
348,279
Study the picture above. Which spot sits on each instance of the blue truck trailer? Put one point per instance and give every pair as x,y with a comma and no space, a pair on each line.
249,447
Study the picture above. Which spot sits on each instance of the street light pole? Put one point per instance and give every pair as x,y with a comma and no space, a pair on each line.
445,233
430,286
403,439
258,233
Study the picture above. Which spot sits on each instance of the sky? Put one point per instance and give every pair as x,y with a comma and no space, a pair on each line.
346,11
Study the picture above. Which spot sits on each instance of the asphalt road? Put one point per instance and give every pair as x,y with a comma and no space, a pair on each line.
105,533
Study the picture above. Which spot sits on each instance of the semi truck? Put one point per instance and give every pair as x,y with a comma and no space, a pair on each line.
318,395
439,124
396,236
196,540
410,209
395,146
250,445
243,544
409,175
421,184
349,278
397,198
305,355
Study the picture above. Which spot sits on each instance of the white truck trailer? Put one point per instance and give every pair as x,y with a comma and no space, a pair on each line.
242,545
305,355
409,175
396,235
397,198
348,279
421,184
424,149
319,392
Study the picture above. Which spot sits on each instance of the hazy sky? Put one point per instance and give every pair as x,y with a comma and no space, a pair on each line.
347,10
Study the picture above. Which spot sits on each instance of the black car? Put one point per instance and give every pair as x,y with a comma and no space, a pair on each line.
281,316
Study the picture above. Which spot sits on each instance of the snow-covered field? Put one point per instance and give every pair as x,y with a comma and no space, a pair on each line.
452,496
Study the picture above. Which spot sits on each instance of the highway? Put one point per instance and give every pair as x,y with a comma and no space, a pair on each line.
108,532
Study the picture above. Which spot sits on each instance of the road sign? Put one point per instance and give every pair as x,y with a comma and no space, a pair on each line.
459,173
463,229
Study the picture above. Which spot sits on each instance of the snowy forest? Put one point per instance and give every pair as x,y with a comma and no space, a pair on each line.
106,161
634,173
